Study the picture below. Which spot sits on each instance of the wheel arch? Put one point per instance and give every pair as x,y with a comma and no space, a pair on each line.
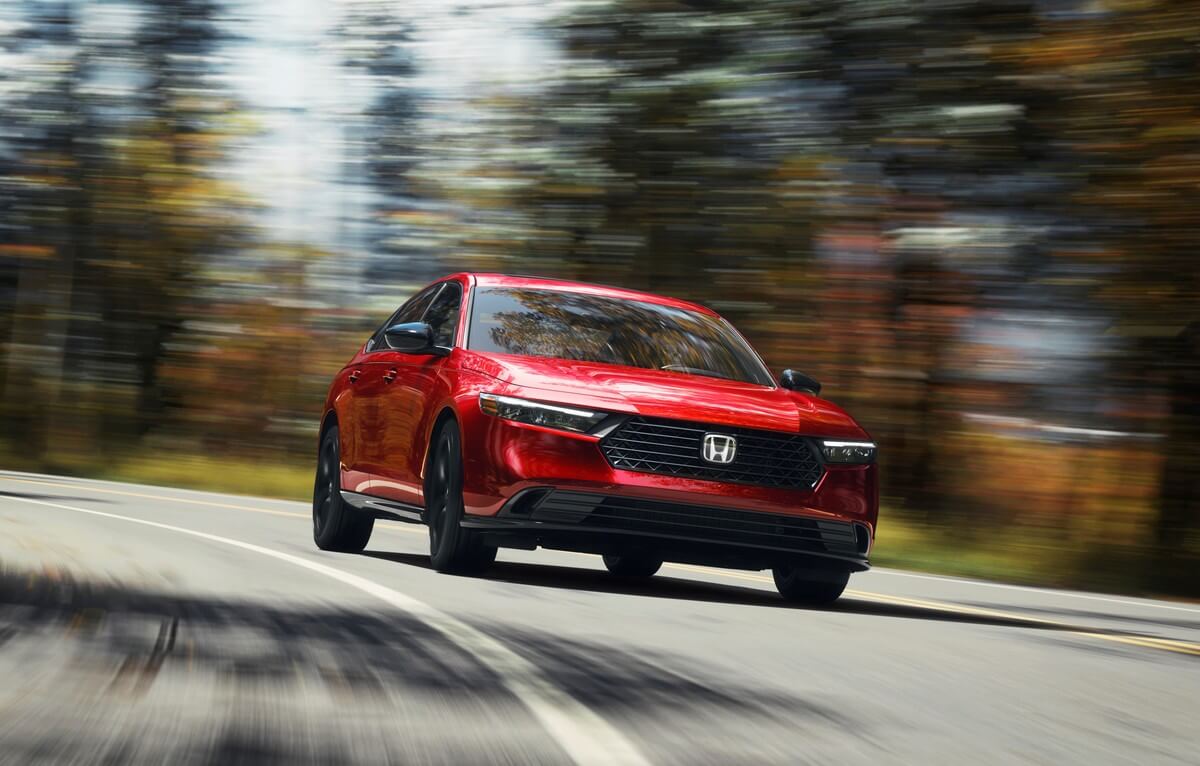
445,415
329,421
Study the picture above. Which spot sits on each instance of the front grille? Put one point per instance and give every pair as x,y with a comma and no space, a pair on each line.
698,523
764,458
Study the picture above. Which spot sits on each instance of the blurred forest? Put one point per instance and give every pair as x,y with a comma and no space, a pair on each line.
973,220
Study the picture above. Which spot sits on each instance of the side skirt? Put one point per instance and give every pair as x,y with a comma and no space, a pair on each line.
384,509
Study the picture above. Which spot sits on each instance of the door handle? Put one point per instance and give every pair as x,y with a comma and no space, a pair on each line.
389,376
355,375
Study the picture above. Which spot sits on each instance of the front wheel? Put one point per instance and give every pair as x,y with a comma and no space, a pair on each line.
336,526
807,585
452,548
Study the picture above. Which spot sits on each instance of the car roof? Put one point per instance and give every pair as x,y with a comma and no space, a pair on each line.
564,285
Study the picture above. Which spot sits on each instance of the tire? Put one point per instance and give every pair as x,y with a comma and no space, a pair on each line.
632,564
336,525
452,548
802,584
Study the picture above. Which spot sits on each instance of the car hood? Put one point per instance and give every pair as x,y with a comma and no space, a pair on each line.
657,393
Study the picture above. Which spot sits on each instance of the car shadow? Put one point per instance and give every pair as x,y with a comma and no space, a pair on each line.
677,588
251,673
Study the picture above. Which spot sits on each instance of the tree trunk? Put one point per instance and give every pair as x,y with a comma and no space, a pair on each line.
1176,567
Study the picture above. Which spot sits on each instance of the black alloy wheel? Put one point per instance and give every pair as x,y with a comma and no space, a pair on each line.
336,525
801,583
632,564
452,548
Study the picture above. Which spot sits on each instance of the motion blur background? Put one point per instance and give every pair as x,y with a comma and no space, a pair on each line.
974,220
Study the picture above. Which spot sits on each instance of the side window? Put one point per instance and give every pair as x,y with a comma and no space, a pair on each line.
415,309
443,313
409,312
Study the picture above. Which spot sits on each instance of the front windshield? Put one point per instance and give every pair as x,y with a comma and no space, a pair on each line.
594,328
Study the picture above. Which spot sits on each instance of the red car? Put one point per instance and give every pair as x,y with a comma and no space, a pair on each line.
519,412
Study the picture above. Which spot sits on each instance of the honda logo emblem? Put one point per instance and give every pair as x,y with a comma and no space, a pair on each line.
719,448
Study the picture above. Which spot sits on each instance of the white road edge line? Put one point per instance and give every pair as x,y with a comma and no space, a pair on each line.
83,481
586,737
1146,603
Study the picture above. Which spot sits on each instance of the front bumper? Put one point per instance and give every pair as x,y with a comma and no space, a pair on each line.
703,534
528,485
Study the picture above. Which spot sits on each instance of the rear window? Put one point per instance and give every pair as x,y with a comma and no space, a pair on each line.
592,328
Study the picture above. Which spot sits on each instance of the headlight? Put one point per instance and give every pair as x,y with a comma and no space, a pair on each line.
848,452
539,414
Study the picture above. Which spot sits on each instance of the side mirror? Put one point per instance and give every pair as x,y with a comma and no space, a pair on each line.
798,381
410,338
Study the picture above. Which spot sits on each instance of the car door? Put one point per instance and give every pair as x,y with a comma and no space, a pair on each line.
352,416
411,385
368,413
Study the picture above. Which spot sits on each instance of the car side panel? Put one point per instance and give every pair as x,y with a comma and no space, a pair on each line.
409,404
406,408
344,401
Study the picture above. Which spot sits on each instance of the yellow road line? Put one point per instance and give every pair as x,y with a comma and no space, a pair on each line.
1165,644
722,572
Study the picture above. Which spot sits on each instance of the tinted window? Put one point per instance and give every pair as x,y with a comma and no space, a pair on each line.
594,328
409,312
415,308
442,315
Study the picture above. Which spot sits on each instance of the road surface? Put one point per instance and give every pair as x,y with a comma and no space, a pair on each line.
154,625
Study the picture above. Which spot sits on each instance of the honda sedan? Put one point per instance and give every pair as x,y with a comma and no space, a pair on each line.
516,412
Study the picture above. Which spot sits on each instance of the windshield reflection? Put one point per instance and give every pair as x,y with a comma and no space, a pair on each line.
594,328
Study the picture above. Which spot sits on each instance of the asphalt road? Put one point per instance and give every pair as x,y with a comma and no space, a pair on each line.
152,625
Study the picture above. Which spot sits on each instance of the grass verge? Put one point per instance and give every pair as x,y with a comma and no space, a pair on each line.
239,476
